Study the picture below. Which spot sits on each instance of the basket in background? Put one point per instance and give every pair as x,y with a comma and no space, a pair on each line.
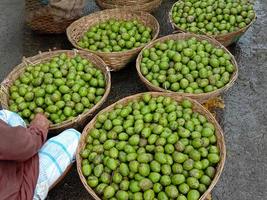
134,5
225,39
40,17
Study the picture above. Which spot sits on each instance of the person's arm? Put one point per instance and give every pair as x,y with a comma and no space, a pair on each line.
19,143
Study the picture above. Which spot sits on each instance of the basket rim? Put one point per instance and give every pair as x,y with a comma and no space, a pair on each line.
174,26
177,98
200,37
127,6
50,54
98,13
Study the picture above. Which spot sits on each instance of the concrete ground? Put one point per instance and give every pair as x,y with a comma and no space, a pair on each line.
243,119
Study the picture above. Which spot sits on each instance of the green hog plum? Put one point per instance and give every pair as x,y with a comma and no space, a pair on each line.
212,17
115,36
61,88
186,66
154,162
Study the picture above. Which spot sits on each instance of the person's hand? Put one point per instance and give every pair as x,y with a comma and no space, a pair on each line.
40,120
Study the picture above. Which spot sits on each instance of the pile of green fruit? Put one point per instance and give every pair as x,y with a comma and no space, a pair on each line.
116,35
188,65
62,88
212,17
151,148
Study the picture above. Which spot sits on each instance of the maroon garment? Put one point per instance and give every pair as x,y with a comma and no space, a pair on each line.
19,162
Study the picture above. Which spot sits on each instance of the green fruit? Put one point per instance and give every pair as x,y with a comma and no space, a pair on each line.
205,180
67,111
124,170
39,92
210,171
149,195
64,89
86,170
98,170
117,177
154,177
184,188
26,113
115,35
112,164
109,192
46,88
166,169
161,158
92,181
143,158
134,140
179,157
182,74
29,96
165,180
134,186
124,185
85,153
171,191
192,182
213,158
155,166
193,195
105,178
137,196
166,163
181,197
52,109
193,17
162,196
178,179
145,184
122,195
144,169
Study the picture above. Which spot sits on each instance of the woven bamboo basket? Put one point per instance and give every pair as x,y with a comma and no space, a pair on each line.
81,119
139,5
196,107
225,39
115,60
126,2
203,97
40,18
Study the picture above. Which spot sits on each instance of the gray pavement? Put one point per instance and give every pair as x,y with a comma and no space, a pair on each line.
243,119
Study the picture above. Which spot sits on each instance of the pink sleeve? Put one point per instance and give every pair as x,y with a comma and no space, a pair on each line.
19,143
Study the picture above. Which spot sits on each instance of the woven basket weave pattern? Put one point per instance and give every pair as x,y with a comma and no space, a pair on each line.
126,2
139,5
196,107
40,19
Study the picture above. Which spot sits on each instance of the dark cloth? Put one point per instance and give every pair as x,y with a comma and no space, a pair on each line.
19,162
